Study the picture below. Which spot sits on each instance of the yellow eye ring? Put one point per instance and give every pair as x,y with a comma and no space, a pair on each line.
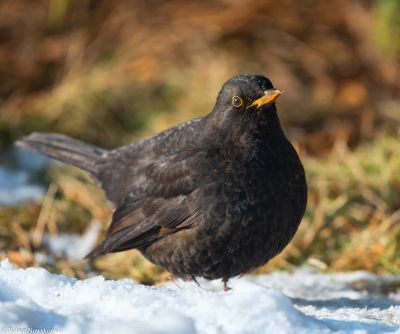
237,101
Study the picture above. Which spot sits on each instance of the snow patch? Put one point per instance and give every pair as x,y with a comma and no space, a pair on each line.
16,185
15,188
74,246
278,303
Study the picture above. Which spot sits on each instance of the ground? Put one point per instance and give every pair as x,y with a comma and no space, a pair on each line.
300,302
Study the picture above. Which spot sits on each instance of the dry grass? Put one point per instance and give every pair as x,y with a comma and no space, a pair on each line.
100,70
353,216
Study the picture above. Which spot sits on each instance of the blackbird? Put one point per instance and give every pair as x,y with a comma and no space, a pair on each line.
214,197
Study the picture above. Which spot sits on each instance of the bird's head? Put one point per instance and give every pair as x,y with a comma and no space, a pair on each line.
245,105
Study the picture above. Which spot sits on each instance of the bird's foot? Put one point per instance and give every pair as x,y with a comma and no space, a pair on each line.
171,278
191,278
226,287
195,280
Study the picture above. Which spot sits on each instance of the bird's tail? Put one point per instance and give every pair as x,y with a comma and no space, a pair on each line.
65,149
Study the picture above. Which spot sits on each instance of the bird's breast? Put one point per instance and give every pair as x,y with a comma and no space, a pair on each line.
264,201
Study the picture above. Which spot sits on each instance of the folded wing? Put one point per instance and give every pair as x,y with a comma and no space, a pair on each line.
163,200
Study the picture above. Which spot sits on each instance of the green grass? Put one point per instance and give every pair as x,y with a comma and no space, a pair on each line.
387,26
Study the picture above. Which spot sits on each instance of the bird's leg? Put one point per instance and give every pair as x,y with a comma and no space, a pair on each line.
171,278
194,279
226,287
190,277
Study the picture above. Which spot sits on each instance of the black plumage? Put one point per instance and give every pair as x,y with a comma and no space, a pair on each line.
215,197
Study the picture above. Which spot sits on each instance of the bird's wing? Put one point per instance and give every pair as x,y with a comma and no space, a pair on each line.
125,167
162,201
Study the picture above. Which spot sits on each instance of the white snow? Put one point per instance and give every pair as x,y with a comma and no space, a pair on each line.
16,185
303,302
15,188
74,246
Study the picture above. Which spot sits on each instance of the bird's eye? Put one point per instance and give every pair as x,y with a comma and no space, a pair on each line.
237,101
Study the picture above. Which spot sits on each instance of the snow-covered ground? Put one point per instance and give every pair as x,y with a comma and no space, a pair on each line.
73,246
16,188
16,185
303,302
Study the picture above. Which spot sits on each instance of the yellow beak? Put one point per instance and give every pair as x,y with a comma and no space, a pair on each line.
270,96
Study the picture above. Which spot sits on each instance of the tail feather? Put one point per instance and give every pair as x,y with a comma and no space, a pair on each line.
65,149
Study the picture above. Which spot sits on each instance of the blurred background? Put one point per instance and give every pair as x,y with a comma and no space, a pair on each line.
110,72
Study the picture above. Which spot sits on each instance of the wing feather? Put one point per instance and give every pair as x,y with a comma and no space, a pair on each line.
162,203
